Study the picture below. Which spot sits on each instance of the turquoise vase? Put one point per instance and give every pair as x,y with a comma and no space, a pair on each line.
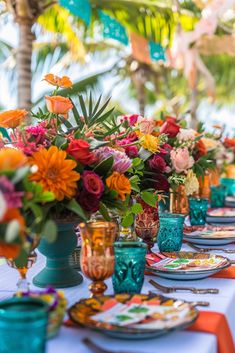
58,273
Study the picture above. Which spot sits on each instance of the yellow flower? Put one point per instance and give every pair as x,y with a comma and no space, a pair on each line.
55,173
150,143
191,183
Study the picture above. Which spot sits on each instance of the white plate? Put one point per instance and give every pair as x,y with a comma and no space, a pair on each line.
210,237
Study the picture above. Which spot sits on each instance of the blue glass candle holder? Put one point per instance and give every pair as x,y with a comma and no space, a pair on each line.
170,235
218,194
229,183
23,325
198,209
128,275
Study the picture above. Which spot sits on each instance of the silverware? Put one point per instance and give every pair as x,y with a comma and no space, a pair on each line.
228,251
97,349
165,289
181,302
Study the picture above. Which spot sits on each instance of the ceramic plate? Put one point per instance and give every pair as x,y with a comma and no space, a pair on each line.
230,201
185,265
221,215
136,316
204,235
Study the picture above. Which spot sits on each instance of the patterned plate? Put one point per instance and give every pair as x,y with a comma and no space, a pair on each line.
166,315
230,201
209,235
185,265
221,215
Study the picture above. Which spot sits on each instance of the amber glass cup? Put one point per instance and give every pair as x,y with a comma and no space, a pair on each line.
97,255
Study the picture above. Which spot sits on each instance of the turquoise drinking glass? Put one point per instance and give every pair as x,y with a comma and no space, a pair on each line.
23,325
218,194
229,183
198,209
170,234
128,275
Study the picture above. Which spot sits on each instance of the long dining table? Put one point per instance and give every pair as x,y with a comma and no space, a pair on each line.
69,339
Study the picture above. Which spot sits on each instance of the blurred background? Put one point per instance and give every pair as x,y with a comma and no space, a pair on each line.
150,56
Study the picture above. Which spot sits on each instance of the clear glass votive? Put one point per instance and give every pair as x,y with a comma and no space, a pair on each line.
198,209
23,325
170,236
128,275
218,194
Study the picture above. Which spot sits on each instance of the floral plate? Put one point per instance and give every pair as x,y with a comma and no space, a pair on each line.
185,265
209,235
166,315
221,215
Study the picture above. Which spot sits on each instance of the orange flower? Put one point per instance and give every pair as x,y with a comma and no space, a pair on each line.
14,214
119,183
9,251
201,149
219,127
12,118
55,172
11,159
62,82
58,105
229,142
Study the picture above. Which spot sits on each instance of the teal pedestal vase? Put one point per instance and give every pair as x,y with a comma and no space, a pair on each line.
58,273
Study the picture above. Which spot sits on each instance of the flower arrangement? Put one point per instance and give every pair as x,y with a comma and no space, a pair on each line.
21,214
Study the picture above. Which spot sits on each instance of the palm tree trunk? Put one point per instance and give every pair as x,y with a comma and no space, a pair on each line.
24,57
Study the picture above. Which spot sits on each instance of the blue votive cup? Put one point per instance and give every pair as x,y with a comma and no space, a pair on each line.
198,209
229,183
23,325
218,194
128,275
170,235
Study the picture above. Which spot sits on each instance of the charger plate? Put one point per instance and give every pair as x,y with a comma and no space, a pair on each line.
185,265
170,315
221,215
209,235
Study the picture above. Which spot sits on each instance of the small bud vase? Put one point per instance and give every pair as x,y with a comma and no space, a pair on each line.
179,201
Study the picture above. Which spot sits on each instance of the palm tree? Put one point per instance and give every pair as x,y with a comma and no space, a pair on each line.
143,16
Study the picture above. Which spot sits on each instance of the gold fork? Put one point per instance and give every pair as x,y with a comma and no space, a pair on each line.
165,289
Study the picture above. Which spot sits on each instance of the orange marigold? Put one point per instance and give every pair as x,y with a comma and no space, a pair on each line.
12,118
62,82
55,173
119,183
11,159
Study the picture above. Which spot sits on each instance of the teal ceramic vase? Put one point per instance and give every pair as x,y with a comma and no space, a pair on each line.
58,273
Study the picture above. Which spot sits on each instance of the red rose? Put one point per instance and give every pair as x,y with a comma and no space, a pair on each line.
92,183
157,164
161,183
170,127
88,202
80,150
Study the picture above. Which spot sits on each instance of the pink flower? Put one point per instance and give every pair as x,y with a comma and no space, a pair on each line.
92,183
131,151
181,160
146,125
37,130
157,164
13,198
131,119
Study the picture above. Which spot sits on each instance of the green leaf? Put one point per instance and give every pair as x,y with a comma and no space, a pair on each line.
22,259
49,231
60,141
149,198
136,208
76,116
12,231
103,117
83,107
128,220
105,166
20,174
97,105
47,196
96,143
37,211
65,122
74,206
94,117
104,211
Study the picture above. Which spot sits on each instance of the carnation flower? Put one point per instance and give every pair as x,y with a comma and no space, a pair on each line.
121,162
38,130
191,183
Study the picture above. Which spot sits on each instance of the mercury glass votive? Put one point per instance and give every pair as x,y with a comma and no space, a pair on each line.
23,325
128,275
198,209
170,234
218,194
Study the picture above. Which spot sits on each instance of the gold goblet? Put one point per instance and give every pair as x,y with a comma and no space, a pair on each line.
97,255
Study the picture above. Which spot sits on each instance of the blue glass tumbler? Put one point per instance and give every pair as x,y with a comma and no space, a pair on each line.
198,209
229,183
170,236
128,275
23,325
218,194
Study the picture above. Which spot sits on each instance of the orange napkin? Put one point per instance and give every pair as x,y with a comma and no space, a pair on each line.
226,273
215,323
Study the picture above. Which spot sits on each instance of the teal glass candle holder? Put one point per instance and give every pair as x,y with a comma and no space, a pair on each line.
198,209
229,183
218,194
128,275
170,235
23,325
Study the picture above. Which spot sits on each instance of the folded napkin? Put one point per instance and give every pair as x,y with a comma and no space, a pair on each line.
215,323
226,273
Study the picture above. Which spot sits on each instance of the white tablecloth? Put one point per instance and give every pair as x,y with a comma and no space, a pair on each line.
69,339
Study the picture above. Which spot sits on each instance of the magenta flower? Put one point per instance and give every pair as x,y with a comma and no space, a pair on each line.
88,201
13,198
121,162
157,164
38,130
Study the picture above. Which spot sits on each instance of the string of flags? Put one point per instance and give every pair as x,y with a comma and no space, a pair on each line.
142,50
